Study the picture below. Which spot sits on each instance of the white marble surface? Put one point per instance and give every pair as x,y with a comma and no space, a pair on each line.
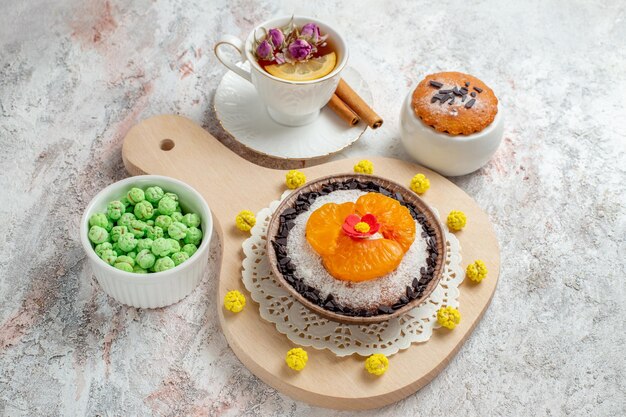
76,75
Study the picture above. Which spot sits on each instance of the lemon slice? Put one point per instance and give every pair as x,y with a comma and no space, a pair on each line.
304,71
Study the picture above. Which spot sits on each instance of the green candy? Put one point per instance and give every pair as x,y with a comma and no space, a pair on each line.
144,244
138,228
144,210
177,231
117,250
179,258
174,245
177,216
163,221
167,205
118,231
124,266
161,247
145,259
139,270
194,235
115,209
154,194
126,219
109,256
127,242
135,195
154,232
98,234
132,254
127,204
191,220
189,249
172,196
102,247
126,259
109,225
150,222
164,264
99,219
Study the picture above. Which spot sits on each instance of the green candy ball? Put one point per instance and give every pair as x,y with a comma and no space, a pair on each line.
189,249
126,259
191,220
174,245
109,256
154,194
144,244
127,242
135,195
98,234
132,254
177,216
109,225
144,210
163,221
99,219
150,222
154,232
117,250
138,228
163,264
118,231
115,209
161,247
179,258
145,259
129,206
126,219
102,247
124,266
172,196
167,205
139,270
194,235
177,231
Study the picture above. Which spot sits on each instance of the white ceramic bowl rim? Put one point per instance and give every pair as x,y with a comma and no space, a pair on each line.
280,21
446,136
84,228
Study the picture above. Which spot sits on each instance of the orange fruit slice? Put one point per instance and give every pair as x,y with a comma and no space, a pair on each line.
363,259
396,222
355,259
324,226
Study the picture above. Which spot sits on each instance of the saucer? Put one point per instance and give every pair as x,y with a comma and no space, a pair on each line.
242,114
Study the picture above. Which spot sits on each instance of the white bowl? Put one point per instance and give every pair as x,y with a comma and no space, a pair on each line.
157,289
449,155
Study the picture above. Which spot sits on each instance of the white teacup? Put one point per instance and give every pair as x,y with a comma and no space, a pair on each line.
291,103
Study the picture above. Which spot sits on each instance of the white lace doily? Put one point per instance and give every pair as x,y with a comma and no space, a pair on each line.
306,328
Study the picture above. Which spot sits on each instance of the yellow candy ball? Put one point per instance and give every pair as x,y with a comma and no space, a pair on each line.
234,301
456,220
377,364
296,359
420,184
294,179
476,271
245,220
448,317
364,167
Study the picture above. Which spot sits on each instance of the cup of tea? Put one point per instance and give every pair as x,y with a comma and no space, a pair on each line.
295,65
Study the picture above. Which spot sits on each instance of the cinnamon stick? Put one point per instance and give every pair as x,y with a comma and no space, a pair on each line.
356,103
343,110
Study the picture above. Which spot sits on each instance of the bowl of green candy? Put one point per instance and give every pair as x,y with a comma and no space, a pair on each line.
147,239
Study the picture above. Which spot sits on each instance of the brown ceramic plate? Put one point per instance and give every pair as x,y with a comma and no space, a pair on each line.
408,196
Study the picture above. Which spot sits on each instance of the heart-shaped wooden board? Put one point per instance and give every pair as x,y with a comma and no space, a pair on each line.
177,147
